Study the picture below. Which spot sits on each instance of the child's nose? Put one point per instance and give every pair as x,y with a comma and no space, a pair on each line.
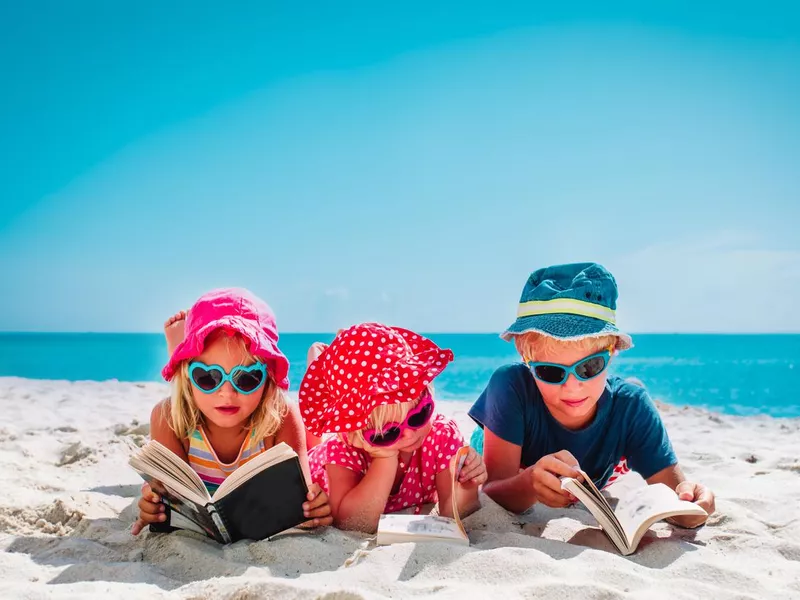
572,382
227,390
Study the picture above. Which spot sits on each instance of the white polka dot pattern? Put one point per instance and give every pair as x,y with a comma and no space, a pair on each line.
418,486
365,366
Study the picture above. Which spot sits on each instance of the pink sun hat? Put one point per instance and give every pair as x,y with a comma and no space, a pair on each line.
234,310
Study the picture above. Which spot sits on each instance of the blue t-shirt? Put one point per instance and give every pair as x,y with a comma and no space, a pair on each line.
626,424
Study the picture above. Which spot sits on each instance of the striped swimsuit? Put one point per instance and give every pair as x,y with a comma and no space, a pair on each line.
211,470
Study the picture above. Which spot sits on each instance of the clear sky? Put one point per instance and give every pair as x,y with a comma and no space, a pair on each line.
348,161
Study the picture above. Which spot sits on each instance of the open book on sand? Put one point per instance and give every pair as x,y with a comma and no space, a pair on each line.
637,508
398,528
259,499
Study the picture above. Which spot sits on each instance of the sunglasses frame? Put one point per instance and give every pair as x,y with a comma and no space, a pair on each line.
228,376
571,369
426,400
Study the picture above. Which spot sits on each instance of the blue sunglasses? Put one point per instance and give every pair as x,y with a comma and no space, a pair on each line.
584,370
245,380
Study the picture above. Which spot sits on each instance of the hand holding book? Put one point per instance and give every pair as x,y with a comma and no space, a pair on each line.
698,494
151,510
468,469
316,509
546,476
263,497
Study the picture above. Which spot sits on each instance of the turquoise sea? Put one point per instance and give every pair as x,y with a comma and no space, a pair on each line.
738,374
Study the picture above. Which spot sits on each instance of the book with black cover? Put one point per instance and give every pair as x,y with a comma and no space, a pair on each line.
261,498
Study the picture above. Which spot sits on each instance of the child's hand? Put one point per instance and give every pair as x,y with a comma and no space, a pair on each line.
314,351
473,471
317,508
700,495
151,510
545,476
378,452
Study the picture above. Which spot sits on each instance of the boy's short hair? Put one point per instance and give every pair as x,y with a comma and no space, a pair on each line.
532,344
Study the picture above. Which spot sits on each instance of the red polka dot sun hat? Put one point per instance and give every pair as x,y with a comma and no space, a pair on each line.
365,366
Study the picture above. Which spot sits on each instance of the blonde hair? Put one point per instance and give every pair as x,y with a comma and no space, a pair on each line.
383,414
533,344
184,416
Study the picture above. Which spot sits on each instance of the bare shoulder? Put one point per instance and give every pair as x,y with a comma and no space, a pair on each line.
291,428
160,415
161,430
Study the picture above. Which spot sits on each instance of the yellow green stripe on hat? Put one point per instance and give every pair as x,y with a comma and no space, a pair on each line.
569,306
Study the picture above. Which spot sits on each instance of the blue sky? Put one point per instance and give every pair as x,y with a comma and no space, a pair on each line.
409,164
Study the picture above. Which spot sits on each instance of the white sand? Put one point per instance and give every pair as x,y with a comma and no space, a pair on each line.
69,494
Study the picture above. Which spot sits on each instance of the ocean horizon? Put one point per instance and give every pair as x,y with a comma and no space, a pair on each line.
743,374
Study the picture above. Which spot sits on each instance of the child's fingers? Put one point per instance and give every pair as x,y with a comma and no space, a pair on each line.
313,491
319,500
317,522
137,527
310,524
324,521
319,512
150,508
468,473
556,466
566,457
550,482
551,498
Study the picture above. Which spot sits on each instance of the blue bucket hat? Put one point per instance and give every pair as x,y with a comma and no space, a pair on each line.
569,302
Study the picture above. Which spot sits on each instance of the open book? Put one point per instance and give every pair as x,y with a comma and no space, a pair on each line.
637,508
398,528
259,499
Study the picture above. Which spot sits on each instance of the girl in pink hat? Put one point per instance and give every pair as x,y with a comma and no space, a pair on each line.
228,399
389,449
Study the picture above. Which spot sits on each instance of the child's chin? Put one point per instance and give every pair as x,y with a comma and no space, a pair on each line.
412,447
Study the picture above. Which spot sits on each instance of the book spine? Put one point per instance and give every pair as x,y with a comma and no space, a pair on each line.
220,523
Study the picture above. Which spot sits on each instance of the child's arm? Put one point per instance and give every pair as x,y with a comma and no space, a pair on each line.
357,501
650,453
470,478
317,507
693,492
293,434
161,430
510,488
151,509
517,490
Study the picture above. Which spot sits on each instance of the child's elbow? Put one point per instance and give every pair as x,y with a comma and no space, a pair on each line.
352,523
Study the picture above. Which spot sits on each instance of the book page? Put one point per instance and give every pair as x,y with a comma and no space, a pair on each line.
461,457
641,506
263,461
398,528
600,510
157,462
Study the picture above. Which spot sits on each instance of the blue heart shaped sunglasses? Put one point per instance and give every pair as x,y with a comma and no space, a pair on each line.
245,380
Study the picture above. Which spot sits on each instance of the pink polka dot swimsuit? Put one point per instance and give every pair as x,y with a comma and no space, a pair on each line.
418,485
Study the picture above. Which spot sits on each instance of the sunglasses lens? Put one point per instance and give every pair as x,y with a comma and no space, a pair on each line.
386,437
550,374
247,381
591,367
419,419
206,379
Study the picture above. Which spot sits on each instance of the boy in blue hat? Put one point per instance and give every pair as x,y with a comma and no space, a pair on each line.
559,409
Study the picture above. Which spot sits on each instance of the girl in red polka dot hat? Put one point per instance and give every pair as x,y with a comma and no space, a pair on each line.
389,449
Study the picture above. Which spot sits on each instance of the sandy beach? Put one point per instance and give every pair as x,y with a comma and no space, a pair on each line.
69,500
